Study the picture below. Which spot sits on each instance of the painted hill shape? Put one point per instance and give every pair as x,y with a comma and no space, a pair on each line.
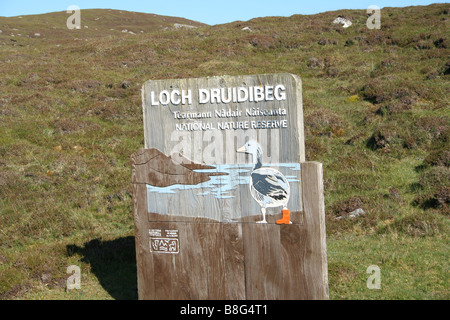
163,171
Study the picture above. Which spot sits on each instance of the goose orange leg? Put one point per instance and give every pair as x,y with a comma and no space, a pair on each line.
286,219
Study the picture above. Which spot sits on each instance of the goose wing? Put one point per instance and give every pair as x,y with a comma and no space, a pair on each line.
270,183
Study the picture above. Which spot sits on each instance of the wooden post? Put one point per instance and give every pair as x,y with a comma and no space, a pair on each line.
316,267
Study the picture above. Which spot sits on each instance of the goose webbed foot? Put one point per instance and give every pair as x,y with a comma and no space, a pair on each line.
263,211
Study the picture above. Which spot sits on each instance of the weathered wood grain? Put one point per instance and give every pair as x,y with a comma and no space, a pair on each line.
292,242
234,262
263,264
315,265
215,261
145,274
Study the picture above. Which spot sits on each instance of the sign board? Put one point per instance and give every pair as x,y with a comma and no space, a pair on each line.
221,210
199,124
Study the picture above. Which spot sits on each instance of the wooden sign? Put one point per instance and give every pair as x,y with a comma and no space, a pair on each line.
225,205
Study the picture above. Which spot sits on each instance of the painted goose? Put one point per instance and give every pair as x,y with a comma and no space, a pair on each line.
268,186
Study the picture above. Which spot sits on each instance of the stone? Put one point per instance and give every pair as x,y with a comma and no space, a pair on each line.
315,63
355,213
179,25
341,20
46,277
125,84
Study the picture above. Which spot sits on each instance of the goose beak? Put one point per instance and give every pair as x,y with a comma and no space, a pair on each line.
241,149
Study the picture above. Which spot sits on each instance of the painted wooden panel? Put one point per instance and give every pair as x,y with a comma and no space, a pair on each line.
218,146
199,128
206,259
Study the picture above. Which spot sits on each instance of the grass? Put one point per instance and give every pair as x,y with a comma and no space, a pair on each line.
376,115
410,268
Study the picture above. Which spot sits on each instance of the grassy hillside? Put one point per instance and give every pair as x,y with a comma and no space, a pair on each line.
376,106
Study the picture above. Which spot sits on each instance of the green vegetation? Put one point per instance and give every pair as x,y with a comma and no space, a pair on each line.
376,115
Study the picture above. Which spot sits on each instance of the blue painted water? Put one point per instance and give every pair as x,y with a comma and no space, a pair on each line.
220,197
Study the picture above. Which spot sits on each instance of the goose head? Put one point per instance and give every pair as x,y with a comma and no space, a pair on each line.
252,147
